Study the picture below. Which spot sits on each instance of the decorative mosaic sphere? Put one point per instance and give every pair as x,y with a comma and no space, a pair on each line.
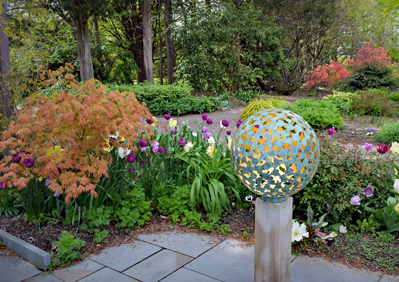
275,153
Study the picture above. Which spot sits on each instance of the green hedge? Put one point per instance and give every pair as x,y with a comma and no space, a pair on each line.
148,91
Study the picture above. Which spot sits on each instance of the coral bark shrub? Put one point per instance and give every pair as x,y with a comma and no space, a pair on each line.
63,137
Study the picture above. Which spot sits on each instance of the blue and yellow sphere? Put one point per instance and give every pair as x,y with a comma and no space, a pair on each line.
275,153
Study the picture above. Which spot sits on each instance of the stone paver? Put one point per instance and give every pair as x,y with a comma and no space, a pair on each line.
184,275
122,257
77,271
13,269
192,245
158,266
228,261
43,277
306,269
108,275
389,278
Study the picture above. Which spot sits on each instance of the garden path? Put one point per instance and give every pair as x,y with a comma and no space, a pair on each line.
174,257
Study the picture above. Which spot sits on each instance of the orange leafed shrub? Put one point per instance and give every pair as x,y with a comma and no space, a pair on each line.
63,136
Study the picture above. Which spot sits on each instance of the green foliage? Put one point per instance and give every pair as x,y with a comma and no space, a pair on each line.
176,204
259,105
149,91
101,237
370,77
134,211
97,218
388,216
342,100
8,202
38,202
373,102
388,133
227,46
67,248
210,178
184,105
343,173
394,96
319,114
369,225
246,95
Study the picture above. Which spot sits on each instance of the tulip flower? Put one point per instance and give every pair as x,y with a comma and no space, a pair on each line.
209,121
131,158
396,185
331,131
167,116
239,122
395,148
182,142
143,143
149,121
224,123
204,117
29,162
368,146
382,149
355,200
228,132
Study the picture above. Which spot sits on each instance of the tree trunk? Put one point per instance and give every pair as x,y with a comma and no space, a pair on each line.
147,40
5,79
170,49
95,28
160,42
84,54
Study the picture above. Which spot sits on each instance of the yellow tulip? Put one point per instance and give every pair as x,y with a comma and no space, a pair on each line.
397,208
395,148
172,123
210,151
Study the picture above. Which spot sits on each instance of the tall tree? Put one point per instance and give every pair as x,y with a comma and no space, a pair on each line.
170,48
147,40
77,14
5,78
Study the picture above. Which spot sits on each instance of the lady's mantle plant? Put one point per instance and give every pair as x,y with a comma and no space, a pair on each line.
62,137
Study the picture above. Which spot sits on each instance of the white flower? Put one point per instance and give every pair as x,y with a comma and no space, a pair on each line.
211,141
188,146
123,152
248,198
324,224
298,232
342,229
194,134
233,204
221,125
396,185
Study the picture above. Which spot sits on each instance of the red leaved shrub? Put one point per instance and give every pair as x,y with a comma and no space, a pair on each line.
63,136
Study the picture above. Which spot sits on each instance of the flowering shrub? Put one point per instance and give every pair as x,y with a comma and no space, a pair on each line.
344,180
79,124
328,76
368,54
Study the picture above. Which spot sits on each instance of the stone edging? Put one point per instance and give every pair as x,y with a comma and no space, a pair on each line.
28,251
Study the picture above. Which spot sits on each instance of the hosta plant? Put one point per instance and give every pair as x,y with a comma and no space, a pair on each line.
64,137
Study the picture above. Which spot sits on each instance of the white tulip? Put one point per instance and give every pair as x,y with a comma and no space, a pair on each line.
396,185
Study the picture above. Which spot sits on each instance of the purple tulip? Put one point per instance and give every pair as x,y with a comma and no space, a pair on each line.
167,116
131,158
149,121
162,150
143,149
131,170
207,135
3,185
331,131
204,117
143,143
204,130
57,194
48,181
228,132
16,158
368,146
155,149
355,200
173,131
225,123
368,191
182,142
29,162
239,122
382,149
209,121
